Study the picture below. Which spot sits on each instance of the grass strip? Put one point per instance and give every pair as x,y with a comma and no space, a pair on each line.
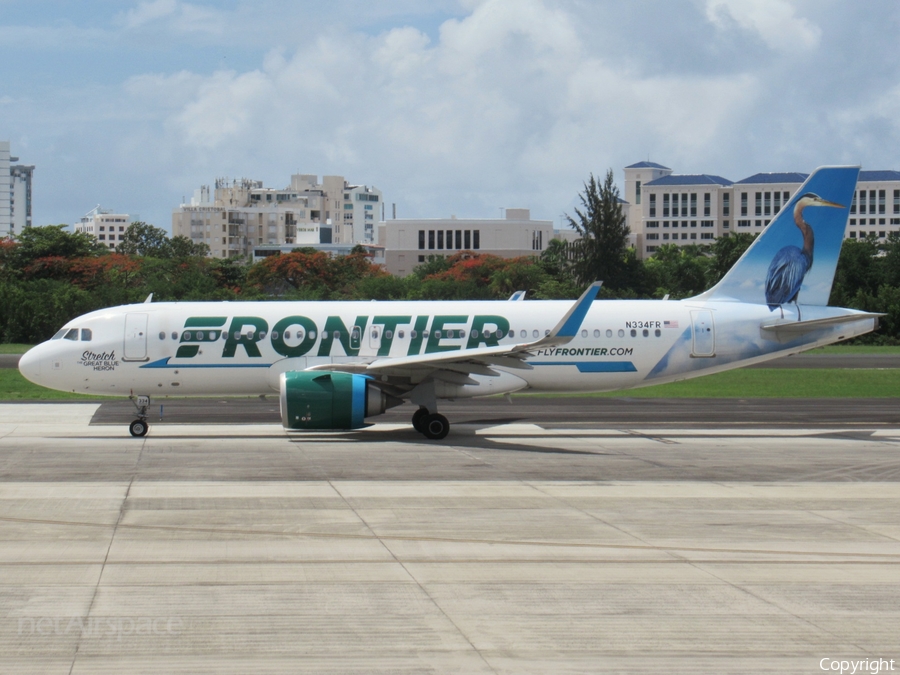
746,383
14,387
13,348
774,383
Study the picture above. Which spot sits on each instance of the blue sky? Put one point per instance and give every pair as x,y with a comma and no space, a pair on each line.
448,106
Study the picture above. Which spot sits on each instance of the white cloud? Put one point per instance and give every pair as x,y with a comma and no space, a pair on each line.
176,16
774,21
508,101
147,12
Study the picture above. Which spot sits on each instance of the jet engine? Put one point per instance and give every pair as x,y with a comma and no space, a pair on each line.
330,400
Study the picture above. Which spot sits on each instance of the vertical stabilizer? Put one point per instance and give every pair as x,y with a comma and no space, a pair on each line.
795,257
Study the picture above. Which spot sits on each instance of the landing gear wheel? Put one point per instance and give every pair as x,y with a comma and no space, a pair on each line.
417,418
435,426
139,428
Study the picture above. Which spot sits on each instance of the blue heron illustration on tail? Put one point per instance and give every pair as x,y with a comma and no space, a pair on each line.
790,265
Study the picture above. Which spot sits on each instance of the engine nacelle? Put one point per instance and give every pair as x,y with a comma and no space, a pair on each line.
330,400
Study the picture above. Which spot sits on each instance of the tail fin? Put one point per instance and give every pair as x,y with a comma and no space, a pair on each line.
795,257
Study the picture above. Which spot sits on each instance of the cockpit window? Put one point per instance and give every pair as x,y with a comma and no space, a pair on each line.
59,335
86,334
71,334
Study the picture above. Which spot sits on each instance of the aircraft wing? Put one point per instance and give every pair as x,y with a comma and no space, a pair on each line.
479,361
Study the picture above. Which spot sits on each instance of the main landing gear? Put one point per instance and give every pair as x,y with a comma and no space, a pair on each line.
433,426
140,427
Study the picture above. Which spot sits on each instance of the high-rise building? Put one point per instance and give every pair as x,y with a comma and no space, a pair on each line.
20,176
5,211
240,215
15,193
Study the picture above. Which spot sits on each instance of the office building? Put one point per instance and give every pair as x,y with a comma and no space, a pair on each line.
667,208
409,242
241,215
107,227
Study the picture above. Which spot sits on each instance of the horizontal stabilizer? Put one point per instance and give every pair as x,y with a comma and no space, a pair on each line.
800,327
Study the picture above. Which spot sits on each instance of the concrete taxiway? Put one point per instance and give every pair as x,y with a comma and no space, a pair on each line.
549,543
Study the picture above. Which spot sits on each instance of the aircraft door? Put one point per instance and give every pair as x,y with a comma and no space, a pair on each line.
704,333
135,337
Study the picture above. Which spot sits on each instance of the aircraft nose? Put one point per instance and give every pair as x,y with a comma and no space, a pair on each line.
30,366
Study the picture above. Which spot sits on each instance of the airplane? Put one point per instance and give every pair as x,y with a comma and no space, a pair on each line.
335,364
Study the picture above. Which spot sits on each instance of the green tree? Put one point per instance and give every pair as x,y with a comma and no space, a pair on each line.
679,271
726,251
145,240
52,241
601,251
182,247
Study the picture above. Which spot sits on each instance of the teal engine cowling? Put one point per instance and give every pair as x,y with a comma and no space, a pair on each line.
330,400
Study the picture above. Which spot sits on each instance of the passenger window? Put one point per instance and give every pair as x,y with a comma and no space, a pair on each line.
596,332
608,332
287,335
312,335
162,335
400,334
413,334
646,333
523,334
388,334
274,334
621,333
633,333
71,334
535,333
511,334
546,332
174,335
437,334
584,332
657,332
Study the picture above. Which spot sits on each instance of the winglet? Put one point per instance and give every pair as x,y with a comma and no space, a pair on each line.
571,322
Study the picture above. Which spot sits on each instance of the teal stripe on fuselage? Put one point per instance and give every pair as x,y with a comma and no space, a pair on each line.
164,363
593,366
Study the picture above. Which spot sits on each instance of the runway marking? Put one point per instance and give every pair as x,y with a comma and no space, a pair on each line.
449,540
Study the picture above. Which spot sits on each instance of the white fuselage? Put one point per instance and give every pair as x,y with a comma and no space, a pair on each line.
234,348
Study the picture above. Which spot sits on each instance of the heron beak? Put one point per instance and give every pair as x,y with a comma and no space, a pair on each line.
825,202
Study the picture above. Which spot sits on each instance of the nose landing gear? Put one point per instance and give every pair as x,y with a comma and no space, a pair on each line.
139,427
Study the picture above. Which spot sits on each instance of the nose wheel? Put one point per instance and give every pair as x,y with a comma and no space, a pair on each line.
140,427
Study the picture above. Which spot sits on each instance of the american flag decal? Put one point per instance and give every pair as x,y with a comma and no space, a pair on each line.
670,324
